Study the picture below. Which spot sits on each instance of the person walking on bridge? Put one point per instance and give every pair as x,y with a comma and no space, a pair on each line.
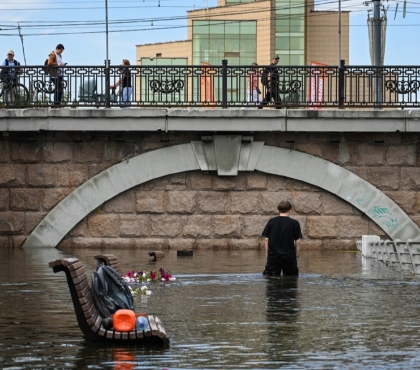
271,82
55,60
282,243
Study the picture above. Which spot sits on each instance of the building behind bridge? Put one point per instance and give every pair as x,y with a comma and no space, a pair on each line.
246,31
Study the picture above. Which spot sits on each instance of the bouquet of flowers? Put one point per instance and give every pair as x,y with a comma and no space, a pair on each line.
146,277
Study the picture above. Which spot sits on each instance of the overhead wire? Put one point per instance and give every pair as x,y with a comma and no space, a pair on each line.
130,22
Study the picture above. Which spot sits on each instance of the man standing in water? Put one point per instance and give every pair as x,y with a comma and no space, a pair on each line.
282,243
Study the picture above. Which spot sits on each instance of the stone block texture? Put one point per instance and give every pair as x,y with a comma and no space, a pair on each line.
198,209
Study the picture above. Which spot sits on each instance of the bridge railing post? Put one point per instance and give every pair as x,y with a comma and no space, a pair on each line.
341,88
224,83
107,84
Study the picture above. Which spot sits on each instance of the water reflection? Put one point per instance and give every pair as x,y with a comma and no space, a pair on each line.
123,359
282,309
220,313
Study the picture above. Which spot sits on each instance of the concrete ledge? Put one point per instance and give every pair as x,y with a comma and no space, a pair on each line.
211,120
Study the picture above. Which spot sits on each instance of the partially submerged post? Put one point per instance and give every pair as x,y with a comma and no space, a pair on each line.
156,255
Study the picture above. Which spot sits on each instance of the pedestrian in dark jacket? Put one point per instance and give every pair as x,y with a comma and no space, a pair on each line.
271,83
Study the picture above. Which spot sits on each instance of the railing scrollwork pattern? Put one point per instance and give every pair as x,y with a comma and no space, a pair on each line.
166,86
402,87
226,86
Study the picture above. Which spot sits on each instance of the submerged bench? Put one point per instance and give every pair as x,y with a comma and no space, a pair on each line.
88,317
108,260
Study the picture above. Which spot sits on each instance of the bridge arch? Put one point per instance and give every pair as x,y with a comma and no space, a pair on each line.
226,154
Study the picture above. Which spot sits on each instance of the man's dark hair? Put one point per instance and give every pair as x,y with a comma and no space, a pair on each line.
284,206
59,47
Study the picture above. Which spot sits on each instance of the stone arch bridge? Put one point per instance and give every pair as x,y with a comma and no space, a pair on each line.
300,147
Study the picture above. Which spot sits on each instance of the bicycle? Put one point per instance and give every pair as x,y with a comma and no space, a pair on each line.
12,92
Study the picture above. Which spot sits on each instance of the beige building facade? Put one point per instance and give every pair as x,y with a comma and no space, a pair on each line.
244,31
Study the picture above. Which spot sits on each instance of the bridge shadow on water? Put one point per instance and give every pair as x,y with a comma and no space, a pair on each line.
341,312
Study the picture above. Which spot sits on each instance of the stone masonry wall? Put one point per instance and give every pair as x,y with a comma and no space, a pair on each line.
197,209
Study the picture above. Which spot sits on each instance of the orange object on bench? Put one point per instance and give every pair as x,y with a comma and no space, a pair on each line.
91,324
124,320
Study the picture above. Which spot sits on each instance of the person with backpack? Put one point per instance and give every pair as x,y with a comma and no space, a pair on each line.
55,61
270,80
10,74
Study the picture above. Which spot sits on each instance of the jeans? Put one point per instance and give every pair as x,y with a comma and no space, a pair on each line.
58,89
126,96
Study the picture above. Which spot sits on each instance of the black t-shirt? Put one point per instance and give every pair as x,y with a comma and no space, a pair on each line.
282,232
126,76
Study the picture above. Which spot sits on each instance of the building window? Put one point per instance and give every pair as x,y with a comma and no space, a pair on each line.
214,41
158,55
290,31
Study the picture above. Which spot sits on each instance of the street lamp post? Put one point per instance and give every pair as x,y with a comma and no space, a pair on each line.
107,72
377,47
339,32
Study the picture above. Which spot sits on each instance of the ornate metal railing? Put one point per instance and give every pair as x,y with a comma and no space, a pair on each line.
311,87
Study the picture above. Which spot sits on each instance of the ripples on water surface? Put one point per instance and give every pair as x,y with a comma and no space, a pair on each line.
220,313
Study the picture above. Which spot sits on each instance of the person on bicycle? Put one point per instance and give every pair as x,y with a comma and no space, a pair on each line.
10,74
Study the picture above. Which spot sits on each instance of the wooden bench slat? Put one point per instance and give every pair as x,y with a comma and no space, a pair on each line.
132,335
82,288
79,279
77,272
153,325
90,312
97,325
109,334
86,297
117,335
162,331
91,321
79,287
76,266
88,305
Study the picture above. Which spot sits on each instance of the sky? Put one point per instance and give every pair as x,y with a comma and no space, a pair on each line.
80,26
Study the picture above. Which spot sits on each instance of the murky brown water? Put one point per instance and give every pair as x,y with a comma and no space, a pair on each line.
341,313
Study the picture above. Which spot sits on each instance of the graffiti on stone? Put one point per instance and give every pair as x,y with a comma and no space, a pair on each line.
358,201
364,195
387,220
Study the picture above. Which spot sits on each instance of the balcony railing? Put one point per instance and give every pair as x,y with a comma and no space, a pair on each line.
224,86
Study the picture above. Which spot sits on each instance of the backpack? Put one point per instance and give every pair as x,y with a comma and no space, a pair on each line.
45,68
264,77
16,63
110,292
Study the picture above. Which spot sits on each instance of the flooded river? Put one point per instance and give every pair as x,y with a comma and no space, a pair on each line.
220,313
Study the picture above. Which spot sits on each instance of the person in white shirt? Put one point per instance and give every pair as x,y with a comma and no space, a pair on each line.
10,74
